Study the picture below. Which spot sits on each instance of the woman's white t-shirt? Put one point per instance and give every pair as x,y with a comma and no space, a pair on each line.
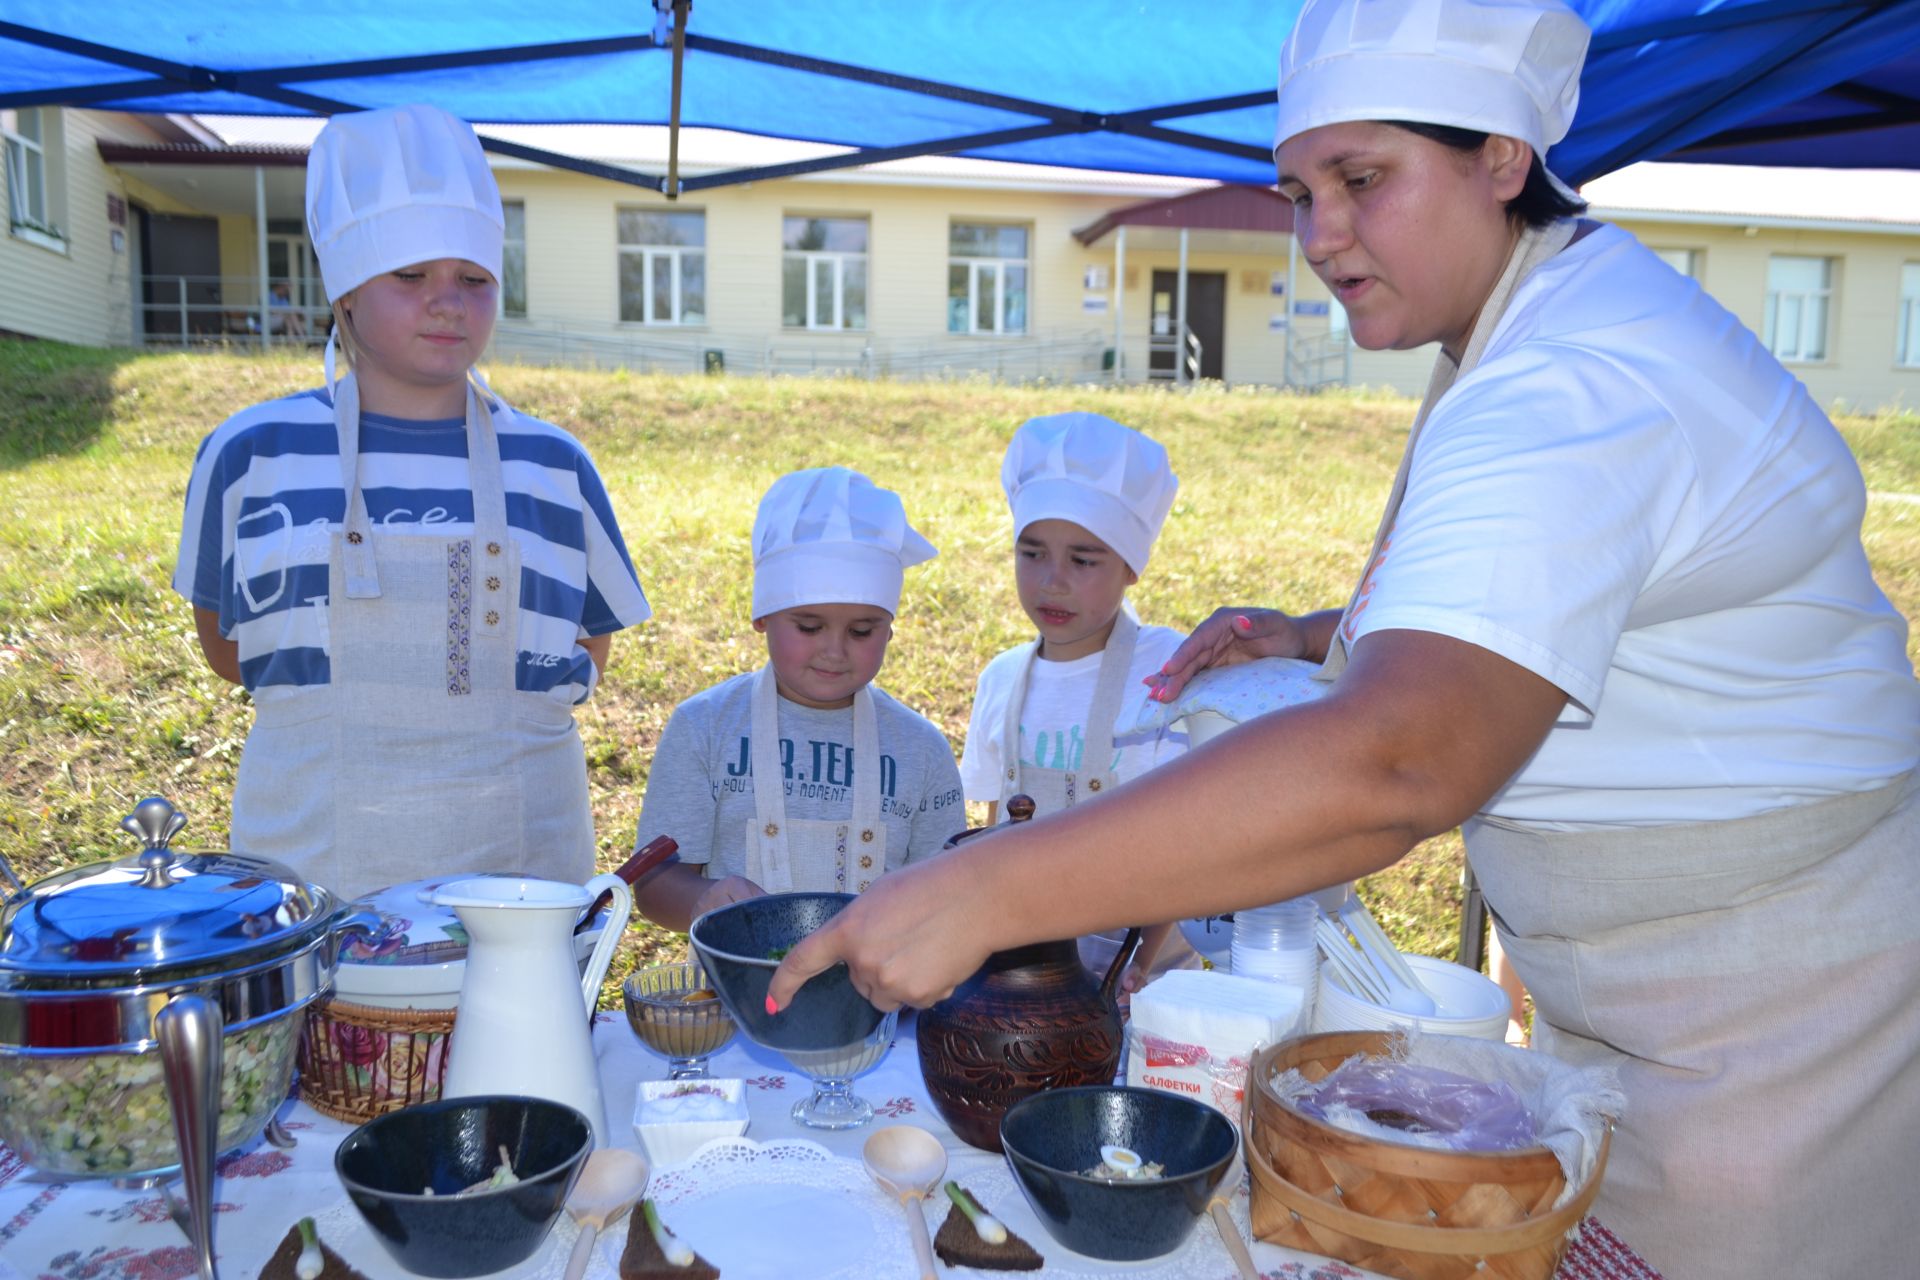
1053,720
1631,498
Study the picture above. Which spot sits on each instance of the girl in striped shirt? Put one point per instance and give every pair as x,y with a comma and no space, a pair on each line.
415,582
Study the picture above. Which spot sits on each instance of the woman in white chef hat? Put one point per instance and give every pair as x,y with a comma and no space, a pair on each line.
804,775
415,582
1053,718
1617,620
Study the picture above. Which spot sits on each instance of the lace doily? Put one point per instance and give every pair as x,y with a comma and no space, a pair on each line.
812,1214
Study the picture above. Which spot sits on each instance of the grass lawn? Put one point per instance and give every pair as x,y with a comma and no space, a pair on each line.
104,697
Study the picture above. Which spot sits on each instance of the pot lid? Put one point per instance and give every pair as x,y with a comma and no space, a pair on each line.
156,912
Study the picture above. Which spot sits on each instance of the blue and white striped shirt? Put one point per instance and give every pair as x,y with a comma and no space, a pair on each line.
265,500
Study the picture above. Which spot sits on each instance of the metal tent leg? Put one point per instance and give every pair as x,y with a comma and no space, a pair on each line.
1473,922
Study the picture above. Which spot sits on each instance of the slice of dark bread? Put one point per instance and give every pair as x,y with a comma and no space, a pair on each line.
280,1265
959,1245
642,1259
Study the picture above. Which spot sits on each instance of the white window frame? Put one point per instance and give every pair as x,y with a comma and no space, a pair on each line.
33,226
836,261
1689,255
1906,352
508,243
980,266
658,257
1800,300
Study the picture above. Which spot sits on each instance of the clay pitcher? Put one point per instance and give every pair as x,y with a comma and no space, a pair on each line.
1030,1019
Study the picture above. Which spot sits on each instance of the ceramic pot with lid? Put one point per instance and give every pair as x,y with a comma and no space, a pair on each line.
149,1007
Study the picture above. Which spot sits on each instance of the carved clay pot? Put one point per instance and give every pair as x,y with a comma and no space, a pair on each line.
1030,1019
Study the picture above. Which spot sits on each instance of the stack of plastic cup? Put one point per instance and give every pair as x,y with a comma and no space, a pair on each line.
1277,943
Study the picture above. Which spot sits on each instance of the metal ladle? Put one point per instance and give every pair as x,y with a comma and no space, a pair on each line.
908,1163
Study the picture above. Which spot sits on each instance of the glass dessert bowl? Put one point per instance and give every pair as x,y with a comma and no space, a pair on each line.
676,1012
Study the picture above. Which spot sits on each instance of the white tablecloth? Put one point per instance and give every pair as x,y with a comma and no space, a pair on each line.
93,1231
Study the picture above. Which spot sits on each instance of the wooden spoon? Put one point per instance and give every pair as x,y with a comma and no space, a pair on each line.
610,1183
908,1163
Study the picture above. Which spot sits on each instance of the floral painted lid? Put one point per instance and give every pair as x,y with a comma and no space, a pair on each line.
1238,693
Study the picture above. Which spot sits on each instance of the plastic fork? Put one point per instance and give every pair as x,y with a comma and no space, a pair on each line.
1358,971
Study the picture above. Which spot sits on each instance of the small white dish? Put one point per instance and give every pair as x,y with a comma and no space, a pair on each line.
675,1118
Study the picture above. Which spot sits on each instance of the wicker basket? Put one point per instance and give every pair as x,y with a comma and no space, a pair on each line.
358,1062
1401,1210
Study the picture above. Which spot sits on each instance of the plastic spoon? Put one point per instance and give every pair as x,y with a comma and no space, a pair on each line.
1404,992
1337,947
908,1163
610,1182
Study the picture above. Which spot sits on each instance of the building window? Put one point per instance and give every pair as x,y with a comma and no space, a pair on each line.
663,267
986,278
1685,261
31,136
823,273
1799,291
1908,352
513,261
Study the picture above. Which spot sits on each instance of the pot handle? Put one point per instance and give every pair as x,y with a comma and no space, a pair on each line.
189,1031
616,927
1119,965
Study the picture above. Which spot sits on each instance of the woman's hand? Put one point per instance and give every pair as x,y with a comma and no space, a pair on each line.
1235,635
908,940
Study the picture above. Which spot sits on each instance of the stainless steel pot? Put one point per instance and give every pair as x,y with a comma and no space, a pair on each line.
150,1008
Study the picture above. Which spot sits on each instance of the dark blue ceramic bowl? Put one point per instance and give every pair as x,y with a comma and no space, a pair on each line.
739,944
1052,1138
388,1163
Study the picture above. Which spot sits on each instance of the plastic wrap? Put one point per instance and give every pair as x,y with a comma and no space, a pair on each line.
1407,1103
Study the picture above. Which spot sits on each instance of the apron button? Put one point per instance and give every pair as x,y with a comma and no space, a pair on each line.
866,863
773,828
1094,785
1009,775
355,538
493,617
867,836
493,548
493,583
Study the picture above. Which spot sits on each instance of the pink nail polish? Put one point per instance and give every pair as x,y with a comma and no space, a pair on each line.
1243,622
772,1008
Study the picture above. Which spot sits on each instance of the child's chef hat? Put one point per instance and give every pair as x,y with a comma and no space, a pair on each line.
1510,67
1110,480
831,536
389,188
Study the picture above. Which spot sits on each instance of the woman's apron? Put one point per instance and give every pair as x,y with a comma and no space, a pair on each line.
813,856
419,757
1755,984
1055,789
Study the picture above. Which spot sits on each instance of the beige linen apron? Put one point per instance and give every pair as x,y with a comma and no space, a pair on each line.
1755,983
419,757
1055,789
813,856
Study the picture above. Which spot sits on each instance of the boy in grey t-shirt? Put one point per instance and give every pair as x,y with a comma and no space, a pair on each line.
866,785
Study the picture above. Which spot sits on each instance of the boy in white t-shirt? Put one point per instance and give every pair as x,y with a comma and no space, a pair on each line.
1052,719
804,775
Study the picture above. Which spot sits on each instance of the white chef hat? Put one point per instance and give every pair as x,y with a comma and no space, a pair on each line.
389,188
831,536
1110,480
1510,67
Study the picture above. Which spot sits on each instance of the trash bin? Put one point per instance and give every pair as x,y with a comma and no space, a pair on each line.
1106,360
714,360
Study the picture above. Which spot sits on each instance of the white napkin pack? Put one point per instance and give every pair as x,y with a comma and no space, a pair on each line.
1194,1031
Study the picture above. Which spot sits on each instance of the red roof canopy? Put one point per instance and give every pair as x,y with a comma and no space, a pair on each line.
1222,208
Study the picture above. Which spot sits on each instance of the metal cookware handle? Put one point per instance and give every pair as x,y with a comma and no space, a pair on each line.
617,917
189,1030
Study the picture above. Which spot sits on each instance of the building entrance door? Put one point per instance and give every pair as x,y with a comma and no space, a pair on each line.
1206,320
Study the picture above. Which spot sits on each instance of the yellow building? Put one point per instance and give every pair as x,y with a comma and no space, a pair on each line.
135,229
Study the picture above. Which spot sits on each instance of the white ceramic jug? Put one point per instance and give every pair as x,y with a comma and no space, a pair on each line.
522,1026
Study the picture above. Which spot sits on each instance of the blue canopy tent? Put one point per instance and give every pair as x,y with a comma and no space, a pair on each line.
1183,90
